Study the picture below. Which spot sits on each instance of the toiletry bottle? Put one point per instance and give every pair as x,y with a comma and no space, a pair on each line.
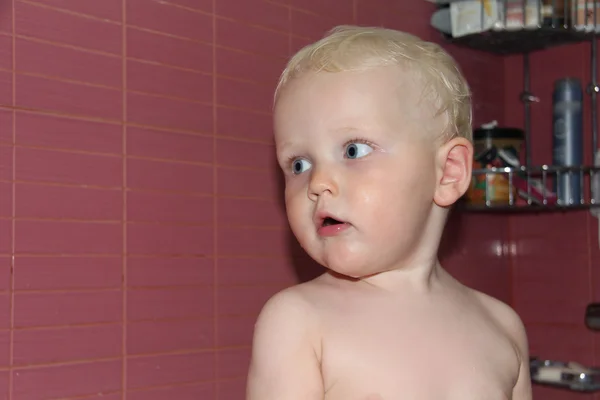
567,138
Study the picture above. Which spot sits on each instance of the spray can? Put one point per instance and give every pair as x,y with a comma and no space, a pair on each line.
567,135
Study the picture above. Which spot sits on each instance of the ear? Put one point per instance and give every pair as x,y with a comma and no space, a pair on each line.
454,165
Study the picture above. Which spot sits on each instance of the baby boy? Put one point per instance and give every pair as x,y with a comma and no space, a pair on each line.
373,134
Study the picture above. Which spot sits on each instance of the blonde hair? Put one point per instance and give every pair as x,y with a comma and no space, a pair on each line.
348,47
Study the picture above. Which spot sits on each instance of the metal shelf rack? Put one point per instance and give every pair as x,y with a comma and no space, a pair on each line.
551,29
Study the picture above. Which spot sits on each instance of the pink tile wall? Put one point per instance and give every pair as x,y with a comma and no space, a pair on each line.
141,228
556,258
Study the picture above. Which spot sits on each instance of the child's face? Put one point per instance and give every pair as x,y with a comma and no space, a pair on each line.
357,146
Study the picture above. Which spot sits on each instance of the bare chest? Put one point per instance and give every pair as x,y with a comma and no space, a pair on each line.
365,357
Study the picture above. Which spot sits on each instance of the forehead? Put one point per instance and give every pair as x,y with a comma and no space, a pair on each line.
315,103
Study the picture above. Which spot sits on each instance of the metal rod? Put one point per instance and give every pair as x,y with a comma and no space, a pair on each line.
527,109
482,15
593,91
581,187
595,10
511,199
594,88
544,186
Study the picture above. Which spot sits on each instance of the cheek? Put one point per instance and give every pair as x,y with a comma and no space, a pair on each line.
295,190
295,205
394,188
413,175
371,196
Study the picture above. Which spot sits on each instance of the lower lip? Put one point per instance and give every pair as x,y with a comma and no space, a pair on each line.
332,230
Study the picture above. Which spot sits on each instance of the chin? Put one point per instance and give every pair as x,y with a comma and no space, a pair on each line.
351,260
348,264
356,273
349,275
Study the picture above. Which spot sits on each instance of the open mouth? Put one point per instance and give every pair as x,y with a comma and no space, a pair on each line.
329,226
328,221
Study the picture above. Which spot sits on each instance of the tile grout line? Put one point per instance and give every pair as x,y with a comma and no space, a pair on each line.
264,84
66,11
158,159
13,211
161,256
216,385
213,14
92,118
124,205
105,53
96,51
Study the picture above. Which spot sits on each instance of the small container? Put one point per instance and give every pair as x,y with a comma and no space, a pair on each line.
494,147
567,138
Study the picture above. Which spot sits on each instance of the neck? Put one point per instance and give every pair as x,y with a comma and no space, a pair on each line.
421,269
420,278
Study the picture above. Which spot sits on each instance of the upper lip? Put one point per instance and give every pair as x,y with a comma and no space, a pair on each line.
322,215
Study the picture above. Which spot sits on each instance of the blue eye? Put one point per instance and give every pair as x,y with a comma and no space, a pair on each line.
357,150
299,166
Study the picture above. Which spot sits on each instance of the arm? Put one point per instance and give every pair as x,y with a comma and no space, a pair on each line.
513,327
522,389
284,363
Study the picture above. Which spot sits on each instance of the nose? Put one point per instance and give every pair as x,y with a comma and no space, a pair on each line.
322,181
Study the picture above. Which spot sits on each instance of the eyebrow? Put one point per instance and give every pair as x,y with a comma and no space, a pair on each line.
342,129
347,128
284,146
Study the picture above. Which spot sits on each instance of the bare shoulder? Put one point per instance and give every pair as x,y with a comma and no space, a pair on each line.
506,318
285,362
288,304
290,310
509,321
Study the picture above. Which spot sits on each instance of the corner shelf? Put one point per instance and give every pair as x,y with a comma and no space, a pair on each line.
527,197
520,41
552,32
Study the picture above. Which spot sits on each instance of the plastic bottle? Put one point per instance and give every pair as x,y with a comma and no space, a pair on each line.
567,138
